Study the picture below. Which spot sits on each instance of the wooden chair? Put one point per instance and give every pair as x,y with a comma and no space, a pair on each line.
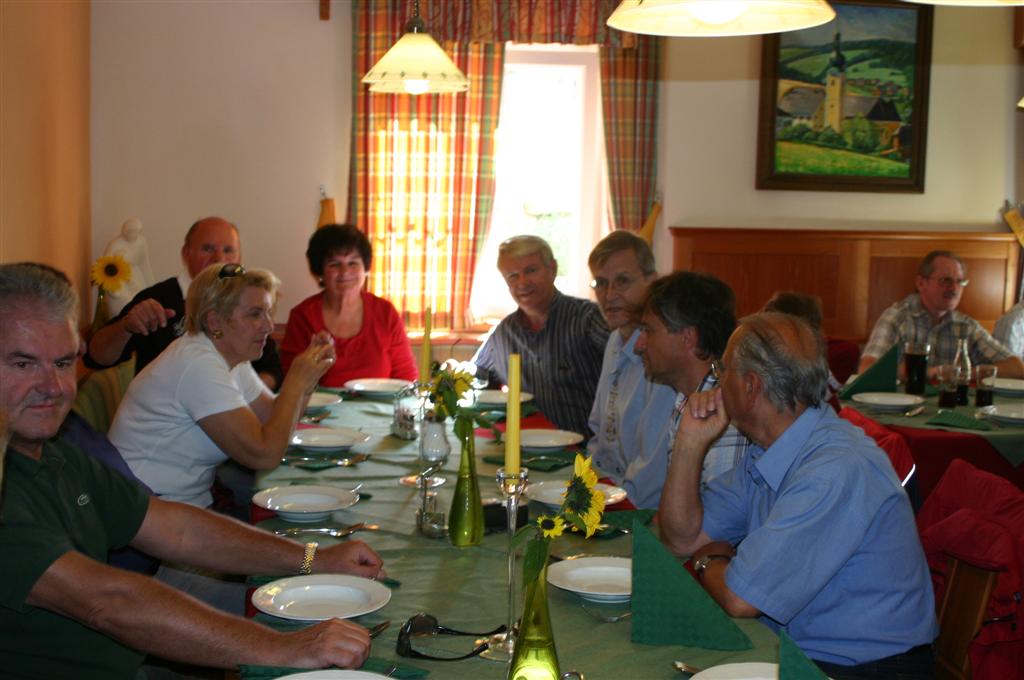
100,392
961,612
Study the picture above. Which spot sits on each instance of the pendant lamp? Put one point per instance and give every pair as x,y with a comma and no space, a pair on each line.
707,18
970,3
416,64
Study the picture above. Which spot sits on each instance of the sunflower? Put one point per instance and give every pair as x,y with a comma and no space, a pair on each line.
582,501
110,272
551,527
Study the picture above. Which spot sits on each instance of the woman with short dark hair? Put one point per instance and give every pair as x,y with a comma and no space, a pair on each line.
369,336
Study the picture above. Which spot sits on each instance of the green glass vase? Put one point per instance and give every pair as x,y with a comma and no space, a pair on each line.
466,519
102,314
534,657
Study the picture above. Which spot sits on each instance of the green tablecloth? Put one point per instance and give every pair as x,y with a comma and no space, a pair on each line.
466,588
1008,440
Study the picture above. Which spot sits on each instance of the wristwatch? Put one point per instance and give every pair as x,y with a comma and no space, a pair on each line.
700,565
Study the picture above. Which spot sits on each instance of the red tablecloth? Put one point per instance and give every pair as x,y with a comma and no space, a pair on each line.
934,449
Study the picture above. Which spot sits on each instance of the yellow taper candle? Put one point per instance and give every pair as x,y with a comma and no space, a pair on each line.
425,347
512,417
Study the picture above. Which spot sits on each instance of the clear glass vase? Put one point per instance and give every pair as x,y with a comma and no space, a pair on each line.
466,518
534,657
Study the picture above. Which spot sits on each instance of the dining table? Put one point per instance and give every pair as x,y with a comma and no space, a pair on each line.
467,588
999,449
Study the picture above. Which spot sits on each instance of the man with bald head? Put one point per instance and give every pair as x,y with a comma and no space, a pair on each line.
811,532
153,318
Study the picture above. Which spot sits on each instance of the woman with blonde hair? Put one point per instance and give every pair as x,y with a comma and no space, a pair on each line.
200,402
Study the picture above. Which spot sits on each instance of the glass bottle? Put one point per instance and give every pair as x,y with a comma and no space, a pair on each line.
466,519
534,657
963,362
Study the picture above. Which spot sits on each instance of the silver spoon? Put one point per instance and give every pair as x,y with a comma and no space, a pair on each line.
315,418
684,667
327,531
608,618
379,628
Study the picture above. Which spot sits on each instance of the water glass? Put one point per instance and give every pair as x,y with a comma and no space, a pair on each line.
915,364
949,379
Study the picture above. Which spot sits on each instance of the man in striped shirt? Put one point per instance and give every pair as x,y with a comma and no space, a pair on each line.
687,320
561,338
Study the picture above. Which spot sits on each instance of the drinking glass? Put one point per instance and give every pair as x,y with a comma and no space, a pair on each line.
985,379
915,364
949,379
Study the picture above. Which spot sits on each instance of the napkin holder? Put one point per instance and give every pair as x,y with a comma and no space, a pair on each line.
410,407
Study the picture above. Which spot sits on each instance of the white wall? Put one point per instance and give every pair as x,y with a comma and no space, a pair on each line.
220,107
708,138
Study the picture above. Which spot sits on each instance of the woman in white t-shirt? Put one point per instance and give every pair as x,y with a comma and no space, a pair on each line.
200,402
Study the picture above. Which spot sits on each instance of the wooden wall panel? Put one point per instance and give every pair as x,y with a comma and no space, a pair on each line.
856,274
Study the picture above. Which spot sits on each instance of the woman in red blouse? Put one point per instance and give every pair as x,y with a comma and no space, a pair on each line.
369,336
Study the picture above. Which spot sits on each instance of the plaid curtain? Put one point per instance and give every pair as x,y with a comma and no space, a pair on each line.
629,99
422,168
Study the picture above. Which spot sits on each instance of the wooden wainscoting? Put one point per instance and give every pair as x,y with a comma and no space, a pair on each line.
857,274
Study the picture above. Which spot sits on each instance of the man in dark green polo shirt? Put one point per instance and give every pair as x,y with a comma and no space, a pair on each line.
64,612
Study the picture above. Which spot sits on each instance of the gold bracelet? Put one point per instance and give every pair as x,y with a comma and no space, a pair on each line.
307,558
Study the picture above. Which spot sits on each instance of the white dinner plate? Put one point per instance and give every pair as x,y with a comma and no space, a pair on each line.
1009,414
305,503
600,579
550,493
324,439
321,400
498,398
546,440
740,671
318,597
332,674
377,387
1010,387
888,401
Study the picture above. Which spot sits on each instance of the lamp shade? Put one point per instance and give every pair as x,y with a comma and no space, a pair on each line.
416,64
707,18
1021,103
970,3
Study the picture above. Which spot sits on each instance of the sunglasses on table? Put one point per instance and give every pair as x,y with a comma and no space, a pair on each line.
424,624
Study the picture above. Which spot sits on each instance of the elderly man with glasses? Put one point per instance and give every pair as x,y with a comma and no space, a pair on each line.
930,315
631,417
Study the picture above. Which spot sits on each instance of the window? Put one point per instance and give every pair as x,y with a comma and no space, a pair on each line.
551,179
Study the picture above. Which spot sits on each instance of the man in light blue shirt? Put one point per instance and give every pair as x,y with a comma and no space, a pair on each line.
812,532
631,416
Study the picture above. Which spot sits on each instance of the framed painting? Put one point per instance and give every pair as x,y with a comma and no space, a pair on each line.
844,106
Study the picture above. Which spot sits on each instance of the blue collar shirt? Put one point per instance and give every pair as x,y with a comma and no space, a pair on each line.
827,547
631,422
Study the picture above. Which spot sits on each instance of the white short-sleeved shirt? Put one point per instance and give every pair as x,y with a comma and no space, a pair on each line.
157,429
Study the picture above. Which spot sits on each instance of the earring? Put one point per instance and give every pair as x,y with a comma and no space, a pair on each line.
217,335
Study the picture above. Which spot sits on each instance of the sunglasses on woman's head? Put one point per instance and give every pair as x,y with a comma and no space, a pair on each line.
231,270
424,624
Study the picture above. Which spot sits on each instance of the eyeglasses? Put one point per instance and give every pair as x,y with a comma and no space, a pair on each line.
619,283
948,281
425,624
231,270
716,371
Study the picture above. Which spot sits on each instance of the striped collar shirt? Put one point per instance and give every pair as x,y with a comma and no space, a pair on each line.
561,362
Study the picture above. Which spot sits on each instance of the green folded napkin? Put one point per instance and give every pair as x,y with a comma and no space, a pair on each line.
879,377
622,519
793,663
543,462
373,665
497,413
670,607
957,419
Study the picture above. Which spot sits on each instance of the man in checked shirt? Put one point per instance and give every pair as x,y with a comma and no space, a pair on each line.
687,320
930,315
